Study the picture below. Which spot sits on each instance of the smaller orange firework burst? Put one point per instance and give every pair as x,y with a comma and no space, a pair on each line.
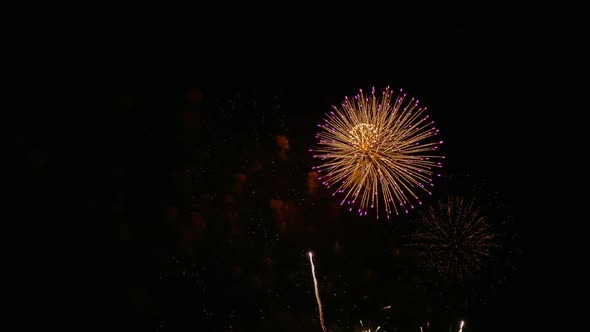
453,237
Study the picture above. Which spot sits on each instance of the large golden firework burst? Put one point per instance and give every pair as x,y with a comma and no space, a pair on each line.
378,152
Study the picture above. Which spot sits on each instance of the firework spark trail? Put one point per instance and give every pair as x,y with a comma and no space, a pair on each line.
461,326
377,152
369,330
317,293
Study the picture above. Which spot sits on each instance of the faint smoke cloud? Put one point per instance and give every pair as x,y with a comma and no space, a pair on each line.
284,212
312,184
239,182
283,144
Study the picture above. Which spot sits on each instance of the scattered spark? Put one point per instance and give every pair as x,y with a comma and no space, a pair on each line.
369,329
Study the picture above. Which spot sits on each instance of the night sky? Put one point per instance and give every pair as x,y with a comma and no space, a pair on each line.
171,186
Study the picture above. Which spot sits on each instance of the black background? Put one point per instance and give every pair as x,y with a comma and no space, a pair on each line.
138,122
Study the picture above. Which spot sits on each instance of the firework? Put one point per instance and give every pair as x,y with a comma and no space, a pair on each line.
317,293
454,237
368,329
378,152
